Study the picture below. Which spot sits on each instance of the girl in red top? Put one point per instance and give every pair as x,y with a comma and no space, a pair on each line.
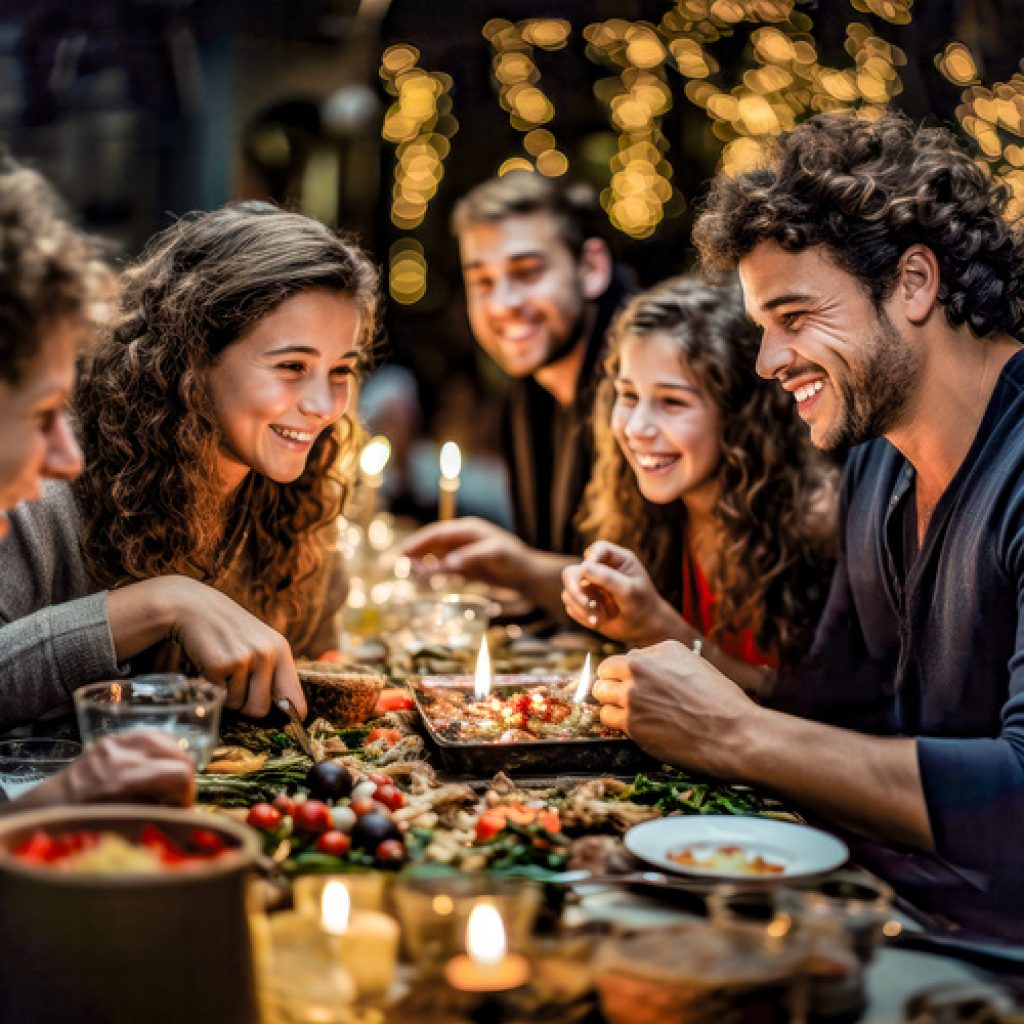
712,518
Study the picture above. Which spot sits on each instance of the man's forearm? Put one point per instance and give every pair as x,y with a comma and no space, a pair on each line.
869,784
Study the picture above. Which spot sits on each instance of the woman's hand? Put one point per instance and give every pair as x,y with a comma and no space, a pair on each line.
611,592
139,766
223,641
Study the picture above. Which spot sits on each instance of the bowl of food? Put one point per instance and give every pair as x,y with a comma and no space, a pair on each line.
344,695
145,906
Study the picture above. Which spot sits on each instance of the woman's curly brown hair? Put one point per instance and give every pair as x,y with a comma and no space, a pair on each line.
148,427
777,497
868,190
45,266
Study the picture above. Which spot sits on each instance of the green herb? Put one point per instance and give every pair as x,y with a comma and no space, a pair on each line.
674,791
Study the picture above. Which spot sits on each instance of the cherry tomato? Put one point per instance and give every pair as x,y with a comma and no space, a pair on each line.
156,839
362,805
390,853
333,655
285,804
333,843
490,823
390,796
379,779
394,698
206,842
313,817
264,817
38,847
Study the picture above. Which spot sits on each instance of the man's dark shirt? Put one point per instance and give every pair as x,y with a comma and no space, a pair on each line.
938,632
549,449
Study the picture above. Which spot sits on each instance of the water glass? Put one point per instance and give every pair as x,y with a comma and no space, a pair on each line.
188,709
24,763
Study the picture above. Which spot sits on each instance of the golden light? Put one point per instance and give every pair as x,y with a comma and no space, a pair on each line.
483,679
335,908
552,163
515,163
957,64
397,59
538,141
583,687
375,455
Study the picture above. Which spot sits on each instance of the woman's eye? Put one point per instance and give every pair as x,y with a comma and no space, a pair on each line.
341,373
292,367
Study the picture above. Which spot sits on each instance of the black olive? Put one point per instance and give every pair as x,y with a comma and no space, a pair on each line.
372,829
329,781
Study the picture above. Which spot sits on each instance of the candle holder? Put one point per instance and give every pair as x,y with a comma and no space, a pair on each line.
434,913
365,890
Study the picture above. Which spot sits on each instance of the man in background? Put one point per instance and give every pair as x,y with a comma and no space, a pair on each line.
541,290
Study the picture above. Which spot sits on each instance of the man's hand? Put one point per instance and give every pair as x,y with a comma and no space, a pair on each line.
472,548
227,644
676,706
140,766
610,591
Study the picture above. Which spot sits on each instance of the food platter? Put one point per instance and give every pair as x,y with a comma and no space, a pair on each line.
545,755
731,847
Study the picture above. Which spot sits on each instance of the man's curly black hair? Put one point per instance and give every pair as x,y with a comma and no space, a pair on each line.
868,190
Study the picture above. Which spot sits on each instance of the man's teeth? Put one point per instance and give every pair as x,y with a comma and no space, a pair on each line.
655,461
808,390
293,435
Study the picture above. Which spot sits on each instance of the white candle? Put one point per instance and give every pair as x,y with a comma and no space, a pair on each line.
487,965
451,467
372,461
365,941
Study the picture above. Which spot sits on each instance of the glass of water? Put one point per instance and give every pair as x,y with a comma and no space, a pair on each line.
188,709
24,763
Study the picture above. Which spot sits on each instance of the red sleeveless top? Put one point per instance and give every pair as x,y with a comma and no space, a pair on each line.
699,602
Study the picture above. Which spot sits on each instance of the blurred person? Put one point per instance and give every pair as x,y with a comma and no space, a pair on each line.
213,415
541,290
45,273
711,517
879,261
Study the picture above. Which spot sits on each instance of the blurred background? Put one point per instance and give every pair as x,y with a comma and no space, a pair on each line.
377,115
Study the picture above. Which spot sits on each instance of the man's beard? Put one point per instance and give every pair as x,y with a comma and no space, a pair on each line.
561,348
876,394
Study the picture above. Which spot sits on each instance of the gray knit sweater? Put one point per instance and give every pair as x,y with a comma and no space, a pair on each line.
54,627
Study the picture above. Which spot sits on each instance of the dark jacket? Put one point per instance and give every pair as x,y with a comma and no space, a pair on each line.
550,452
940,634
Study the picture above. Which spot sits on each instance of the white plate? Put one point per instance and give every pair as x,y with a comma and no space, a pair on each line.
799,850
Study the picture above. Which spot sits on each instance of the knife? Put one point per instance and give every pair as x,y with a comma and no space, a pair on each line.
301,736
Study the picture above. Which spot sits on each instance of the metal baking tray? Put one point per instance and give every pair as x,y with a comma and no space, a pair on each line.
604,755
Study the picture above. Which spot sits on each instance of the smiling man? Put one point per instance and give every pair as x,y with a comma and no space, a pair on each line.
888,283
541,290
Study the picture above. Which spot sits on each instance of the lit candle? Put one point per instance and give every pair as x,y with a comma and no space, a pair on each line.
483,681
365,941
487,966
583,689
451,466
372,461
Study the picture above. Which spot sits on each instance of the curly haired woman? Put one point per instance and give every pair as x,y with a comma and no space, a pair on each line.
706,496
213,422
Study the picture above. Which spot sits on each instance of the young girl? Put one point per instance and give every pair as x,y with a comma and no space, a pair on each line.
213,419
712,518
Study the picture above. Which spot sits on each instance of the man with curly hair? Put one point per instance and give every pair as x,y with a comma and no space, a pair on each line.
888,282
45,275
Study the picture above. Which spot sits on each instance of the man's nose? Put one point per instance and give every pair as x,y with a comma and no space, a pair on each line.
506,294
773,356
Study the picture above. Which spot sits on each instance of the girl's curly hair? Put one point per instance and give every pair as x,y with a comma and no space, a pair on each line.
148,427
777,497
868,190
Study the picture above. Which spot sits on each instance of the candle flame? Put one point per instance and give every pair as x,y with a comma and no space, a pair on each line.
483,672
335,906
583,690
451,460
485,935
374,457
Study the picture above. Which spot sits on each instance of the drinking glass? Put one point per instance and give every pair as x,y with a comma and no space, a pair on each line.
24,763
188,709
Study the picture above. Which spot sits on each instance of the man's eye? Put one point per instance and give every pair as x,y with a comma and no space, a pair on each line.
342,372
292,367
791,320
